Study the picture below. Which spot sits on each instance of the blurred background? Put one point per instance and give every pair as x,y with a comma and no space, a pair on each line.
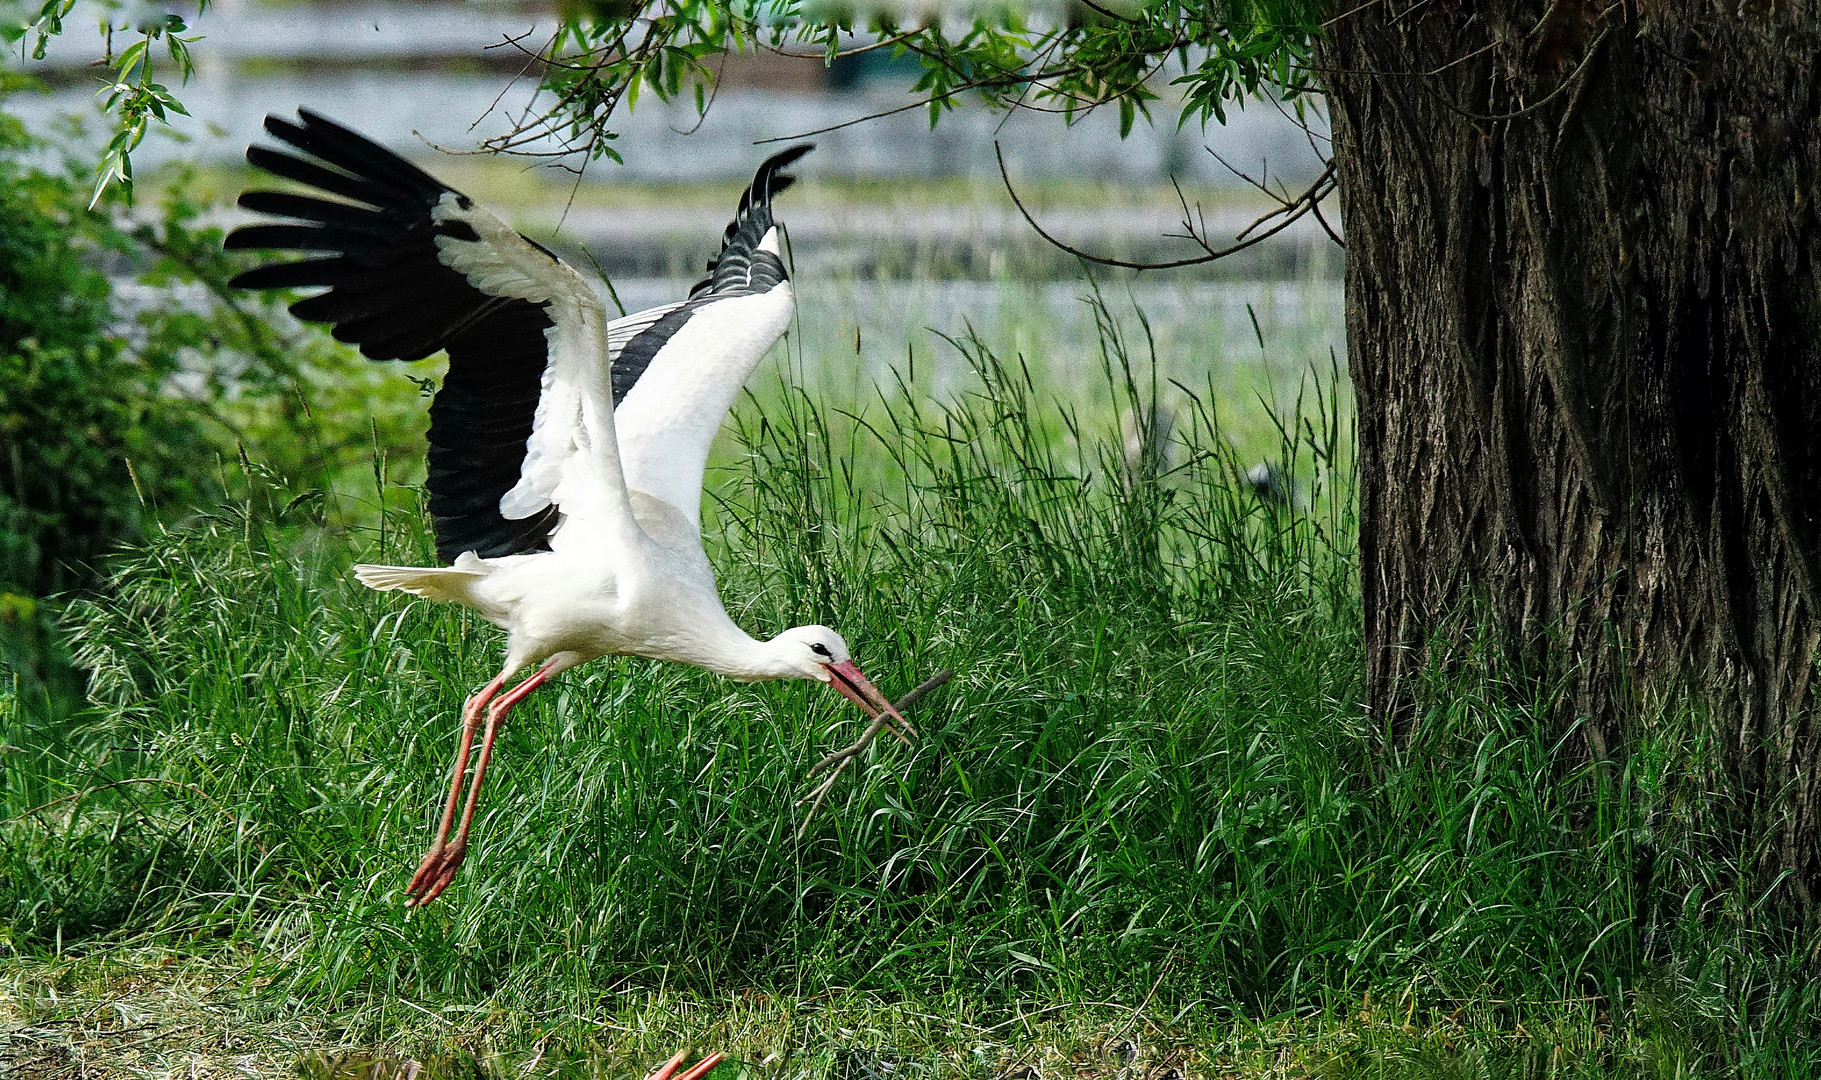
138,386
900,230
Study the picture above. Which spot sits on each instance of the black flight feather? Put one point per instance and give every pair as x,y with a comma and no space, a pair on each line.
741,269
389,293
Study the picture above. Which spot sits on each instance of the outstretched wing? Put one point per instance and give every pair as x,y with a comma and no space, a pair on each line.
675,379
518,449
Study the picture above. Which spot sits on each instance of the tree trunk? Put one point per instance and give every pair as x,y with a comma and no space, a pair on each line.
1584,322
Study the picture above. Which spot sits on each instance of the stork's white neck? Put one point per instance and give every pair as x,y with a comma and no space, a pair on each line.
766,660
727,650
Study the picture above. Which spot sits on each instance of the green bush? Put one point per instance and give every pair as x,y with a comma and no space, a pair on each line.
83,415
116,409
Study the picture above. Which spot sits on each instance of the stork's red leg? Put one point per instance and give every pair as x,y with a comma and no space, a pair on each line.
439,866
696,1072
494,716
471,719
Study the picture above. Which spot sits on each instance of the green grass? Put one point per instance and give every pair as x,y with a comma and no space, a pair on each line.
1150,800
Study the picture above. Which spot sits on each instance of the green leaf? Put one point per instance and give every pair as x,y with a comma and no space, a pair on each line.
130,56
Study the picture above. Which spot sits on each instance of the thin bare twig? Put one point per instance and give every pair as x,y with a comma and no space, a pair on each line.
1289,211
1353,11
532,61
918,104
1028,87
526,132
847,755
840,54
1247,177
714,92
1460,60
1109,13
1327,228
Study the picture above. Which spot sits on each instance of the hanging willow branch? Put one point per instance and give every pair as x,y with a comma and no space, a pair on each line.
593,66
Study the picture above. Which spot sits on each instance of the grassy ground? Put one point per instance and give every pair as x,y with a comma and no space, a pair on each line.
1148,830
155,1013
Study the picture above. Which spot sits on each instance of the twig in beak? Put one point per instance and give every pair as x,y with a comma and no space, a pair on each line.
845,756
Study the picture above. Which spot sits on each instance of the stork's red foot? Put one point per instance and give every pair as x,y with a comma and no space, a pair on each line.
435,873
696,1072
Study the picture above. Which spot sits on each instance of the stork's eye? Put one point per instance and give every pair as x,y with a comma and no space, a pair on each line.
820,649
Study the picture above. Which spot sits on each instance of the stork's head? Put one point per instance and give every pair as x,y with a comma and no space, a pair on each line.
808,650
816,652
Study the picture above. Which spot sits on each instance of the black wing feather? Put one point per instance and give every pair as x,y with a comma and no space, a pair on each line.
295,275
390,294
304,208
355,154
742,269
373,244
313,175
642,349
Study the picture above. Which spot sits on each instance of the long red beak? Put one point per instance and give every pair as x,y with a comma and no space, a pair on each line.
860,690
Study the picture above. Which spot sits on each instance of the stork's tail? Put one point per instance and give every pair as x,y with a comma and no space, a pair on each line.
430,582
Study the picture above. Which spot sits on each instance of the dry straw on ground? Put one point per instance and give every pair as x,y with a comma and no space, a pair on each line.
150,1015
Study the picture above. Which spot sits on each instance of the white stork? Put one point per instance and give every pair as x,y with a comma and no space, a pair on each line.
566,450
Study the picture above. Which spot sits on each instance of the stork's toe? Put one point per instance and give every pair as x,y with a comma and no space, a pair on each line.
435,873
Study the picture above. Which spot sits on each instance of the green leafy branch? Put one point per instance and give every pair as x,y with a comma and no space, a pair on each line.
132,94
607,52
137,98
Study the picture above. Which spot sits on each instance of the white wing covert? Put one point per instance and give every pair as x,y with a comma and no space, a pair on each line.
676,377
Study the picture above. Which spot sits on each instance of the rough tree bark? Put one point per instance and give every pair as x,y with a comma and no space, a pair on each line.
1584,320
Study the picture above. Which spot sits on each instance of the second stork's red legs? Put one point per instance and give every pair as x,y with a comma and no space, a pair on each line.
696,1072
444,858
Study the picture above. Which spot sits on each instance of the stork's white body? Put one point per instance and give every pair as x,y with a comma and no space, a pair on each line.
626,574
638,598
